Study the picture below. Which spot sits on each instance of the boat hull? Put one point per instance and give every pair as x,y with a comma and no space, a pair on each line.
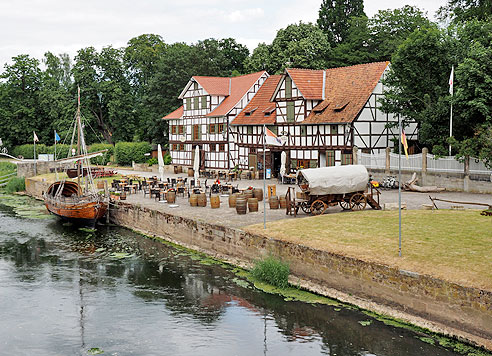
81,214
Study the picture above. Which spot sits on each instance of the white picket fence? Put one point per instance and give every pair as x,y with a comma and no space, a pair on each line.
414,163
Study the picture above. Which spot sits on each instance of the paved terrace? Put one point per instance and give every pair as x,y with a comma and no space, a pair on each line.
228,217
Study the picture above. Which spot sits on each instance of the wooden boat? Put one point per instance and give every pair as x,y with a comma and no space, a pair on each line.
72,201
64,199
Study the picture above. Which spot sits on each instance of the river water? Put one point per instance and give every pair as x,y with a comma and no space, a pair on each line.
65,291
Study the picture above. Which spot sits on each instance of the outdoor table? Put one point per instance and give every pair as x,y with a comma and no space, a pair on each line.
289,178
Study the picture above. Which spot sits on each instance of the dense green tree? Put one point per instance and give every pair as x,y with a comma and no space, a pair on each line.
20,113
301,45
390,28
417,84
465,10
334,17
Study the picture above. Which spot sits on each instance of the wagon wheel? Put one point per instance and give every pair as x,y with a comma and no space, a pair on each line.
345,204
358,201
318,207
306,207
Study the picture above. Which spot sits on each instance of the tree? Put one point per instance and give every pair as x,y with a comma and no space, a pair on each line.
465,10
301,45
417,84
390,28
334,17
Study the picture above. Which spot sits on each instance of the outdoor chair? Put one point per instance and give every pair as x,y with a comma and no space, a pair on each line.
181,190
215,189
173,182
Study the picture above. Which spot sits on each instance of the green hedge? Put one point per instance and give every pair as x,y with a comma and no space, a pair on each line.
126,152
106,157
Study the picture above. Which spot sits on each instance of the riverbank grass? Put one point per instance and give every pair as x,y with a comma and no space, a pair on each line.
449,244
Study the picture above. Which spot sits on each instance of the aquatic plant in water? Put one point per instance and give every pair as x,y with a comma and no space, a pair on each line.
273,271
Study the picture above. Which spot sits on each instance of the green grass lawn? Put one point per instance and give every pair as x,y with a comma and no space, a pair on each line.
450,244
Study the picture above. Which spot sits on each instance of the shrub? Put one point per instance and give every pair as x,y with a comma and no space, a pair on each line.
167,159
106,157
126,152
16,184
273,271
27,150
7,168
152,161
62,150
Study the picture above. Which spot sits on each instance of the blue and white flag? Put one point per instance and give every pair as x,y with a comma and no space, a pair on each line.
57,138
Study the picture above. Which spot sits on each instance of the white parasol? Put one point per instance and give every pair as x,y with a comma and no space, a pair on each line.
283,161
196,164
160,159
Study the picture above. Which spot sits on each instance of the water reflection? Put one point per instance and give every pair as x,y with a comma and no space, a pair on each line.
67,291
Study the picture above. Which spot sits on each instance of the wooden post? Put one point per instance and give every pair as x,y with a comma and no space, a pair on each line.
466,178
355,158
425,151
387,169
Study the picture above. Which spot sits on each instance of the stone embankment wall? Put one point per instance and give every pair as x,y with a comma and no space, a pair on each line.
36,187
436,304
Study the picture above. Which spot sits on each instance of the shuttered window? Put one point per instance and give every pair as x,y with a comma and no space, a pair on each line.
273,129
313,163
196,132
212,147
290,111
333,129
330,158
293,163
221,147
212,128
204,102
196,104
188,104
288,87
250,130
347,158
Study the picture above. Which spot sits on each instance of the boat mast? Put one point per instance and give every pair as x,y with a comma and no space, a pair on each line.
78,137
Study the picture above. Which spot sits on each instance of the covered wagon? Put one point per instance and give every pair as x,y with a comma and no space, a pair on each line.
346,186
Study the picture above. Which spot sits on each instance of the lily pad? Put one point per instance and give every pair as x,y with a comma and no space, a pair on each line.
365,322
95,351
121,255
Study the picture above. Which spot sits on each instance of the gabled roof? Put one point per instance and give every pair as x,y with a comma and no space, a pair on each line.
214,85
260,109
347,90
176,114
239,86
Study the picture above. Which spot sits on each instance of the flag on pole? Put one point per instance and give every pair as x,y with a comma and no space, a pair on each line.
451,81
404,143
271,138
57,138
36,139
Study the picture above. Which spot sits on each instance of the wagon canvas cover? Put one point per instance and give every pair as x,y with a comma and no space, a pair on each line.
336,180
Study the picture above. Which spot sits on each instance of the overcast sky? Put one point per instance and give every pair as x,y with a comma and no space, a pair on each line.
64,26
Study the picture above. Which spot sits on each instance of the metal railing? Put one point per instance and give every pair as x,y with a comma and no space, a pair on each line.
4,180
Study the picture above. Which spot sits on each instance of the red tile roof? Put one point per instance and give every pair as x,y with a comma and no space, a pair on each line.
347,90
308,81
214,85
261,101
176,114
239,87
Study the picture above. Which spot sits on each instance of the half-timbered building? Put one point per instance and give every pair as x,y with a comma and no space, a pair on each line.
209,105
320,115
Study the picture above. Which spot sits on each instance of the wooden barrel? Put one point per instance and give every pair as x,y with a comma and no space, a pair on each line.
273,202
258,193
241,205
123,195
190,172
100,184
194,199
248,193
202,199
283,202
171,197
215,201
180,169
232,200
252,205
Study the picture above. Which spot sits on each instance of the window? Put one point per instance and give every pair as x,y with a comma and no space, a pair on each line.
196,132
213,146
288,87
303,131
181,147
347,158
195,86
181,129
330,158
173,129
196,104
293,163
220,128
313,163
221,147
188,104
290,111
333,129
212,128
204,102
250,130
175,147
